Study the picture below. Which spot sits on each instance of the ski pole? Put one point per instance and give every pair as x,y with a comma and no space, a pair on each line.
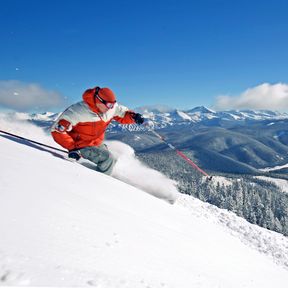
32,141
181,154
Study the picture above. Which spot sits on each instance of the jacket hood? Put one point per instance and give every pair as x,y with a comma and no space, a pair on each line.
88,98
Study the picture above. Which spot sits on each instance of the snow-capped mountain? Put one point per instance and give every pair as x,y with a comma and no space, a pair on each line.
164,117
46,116
64,225
204,115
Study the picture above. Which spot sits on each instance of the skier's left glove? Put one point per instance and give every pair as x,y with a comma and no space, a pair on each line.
74,154
138,118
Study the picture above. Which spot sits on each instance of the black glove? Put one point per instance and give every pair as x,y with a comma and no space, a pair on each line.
74,154
138,118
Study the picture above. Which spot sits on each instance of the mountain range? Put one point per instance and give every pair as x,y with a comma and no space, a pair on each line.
235,141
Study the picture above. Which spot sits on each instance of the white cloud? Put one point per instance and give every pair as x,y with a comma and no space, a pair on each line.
27,96
264,96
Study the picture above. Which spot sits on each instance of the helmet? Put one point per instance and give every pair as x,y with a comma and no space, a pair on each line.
106,94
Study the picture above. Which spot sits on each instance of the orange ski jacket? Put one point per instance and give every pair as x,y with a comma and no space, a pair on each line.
82,125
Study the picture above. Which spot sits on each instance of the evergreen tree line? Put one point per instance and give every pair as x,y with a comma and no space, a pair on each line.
258,201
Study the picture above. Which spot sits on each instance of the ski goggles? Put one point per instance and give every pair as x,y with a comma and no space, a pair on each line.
108,104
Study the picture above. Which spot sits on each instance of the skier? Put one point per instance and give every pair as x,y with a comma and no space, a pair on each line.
81,127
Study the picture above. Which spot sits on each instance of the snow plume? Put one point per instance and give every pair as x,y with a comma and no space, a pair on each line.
130,170
23,96
264,96
16,123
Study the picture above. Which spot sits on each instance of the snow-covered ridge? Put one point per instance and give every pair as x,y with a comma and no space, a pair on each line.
72,226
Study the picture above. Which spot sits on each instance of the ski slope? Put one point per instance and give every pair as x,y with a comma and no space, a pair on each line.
64,225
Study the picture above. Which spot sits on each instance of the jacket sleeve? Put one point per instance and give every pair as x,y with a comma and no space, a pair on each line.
59,130
63,139
123,115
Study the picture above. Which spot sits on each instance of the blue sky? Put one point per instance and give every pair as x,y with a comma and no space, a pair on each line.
179,53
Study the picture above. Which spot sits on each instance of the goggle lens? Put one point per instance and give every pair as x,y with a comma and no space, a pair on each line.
109,105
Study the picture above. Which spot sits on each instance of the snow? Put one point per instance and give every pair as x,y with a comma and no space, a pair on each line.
183,115
221,180
64,225
281,183
267,169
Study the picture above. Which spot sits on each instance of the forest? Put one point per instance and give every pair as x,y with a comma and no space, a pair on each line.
259,202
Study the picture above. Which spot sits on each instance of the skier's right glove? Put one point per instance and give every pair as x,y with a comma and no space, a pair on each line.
74,154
